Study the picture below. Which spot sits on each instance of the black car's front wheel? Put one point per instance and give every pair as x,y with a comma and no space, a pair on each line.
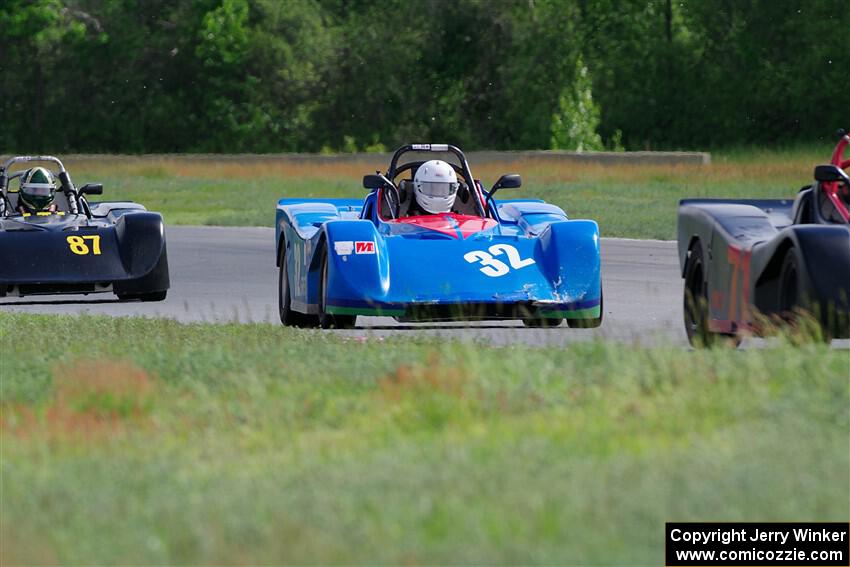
328,320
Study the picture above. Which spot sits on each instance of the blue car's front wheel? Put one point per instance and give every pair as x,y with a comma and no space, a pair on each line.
589,323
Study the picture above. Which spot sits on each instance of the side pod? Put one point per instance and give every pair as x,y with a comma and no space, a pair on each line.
571,258
358,262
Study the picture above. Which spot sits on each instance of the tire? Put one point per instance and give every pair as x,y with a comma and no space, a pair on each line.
589,323
289,317
789,286
542,322
146,297
327,320
791,305
284,299
695,304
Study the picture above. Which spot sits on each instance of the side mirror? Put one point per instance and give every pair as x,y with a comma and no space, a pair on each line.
92,189
373,181
508,181
829,173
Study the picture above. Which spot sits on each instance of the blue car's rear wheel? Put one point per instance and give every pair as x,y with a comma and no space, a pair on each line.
537,322
328,320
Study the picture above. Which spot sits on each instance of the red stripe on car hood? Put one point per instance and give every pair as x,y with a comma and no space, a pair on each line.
452,224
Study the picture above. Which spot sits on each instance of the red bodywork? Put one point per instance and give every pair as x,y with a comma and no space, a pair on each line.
831,189
451,224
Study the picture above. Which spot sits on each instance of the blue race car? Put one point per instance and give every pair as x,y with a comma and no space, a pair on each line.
474,259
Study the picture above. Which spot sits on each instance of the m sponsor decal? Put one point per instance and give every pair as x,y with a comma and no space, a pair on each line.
364,247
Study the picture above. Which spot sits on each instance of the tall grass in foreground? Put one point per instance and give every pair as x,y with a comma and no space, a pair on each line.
637,201
143,441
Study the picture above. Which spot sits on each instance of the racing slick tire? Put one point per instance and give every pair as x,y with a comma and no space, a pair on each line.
289,317
153,296
790,303
789,286
542,322
697,314
328,320
589,323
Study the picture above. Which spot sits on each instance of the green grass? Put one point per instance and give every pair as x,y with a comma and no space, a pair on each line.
198,201
151,442
628,201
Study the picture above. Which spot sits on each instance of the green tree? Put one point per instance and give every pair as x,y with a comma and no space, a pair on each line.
574,124
33,39
262,70
302,75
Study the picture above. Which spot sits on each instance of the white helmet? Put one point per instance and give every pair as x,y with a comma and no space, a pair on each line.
435,185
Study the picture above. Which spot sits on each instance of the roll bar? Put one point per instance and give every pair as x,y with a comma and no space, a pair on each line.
443,148
64,178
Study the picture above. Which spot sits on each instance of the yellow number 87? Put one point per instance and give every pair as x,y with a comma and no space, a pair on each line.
78,245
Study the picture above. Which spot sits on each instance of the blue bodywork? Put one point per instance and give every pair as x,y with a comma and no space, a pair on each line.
530,260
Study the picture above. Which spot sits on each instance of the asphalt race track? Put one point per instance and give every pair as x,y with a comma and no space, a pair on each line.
223,274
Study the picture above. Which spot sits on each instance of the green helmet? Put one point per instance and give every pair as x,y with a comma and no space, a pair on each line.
38,188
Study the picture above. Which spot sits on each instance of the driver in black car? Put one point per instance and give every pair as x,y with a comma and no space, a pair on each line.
38,190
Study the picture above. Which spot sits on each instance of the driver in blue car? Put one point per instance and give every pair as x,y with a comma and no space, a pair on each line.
434,187
38,189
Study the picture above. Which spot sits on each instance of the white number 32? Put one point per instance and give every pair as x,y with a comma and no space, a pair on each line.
493,267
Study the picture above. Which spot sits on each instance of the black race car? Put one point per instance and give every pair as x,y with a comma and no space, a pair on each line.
76,246
750,264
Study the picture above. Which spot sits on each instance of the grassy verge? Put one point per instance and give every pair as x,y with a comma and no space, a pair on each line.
632,201
150,442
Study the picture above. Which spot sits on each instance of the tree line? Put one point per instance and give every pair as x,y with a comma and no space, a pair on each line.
142,76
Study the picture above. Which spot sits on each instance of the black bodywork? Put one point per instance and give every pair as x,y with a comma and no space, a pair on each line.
751,262
82,248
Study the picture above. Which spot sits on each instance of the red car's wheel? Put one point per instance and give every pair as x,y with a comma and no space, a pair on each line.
697,313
